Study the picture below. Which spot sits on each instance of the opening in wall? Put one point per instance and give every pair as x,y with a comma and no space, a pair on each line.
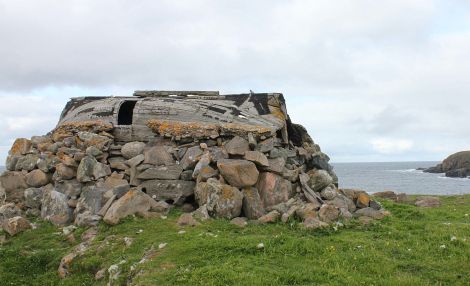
126,111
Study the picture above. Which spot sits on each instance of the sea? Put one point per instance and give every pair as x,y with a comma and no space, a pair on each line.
400,177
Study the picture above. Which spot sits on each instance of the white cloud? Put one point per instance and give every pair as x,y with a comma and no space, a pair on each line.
391,145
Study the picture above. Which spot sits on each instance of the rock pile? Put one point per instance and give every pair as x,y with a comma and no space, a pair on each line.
82,173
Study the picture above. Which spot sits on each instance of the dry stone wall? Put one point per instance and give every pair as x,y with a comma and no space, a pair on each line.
79,174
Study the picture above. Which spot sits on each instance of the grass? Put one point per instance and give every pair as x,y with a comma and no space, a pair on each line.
412,247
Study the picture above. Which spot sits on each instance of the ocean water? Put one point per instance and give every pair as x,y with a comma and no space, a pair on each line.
400,177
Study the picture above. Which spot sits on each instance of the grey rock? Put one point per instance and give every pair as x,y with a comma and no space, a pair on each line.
33,198
238,173
8,211
64,172
94,152
85,169
276,165
428,202
218,154
270,217
118,163
27,162
258,158
266,145
11,162
162,173
14,184
328,213
132,149
329,192
71,188
237,146
204,161
166,190
222,201
135,161
158,156
101,170
187,175
16,225
191,157
253,207
55,208
372,213
319,179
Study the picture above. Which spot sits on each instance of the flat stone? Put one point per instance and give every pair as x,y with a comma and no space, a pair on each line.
118,163
266,145
389,195
276,165
37,178
258,158
132,149
237,146
253,207
169,190
273,189
313,223
71,188
158,156
218,154
162,173
372,213
135,161
239,221
238,173
187,219
101,170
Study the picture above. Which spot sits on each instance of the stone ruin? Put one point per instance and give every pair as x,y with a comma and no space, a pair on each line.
222,156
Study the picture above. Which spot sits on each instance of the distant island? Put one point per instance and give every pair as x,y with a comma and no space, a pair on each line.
455,166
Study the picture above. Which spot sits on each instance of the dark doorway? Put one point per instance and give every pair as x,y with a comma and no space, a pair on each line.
126,111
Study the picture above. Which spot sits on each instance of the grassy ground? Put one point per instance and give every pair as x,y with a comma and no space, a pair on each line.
414,246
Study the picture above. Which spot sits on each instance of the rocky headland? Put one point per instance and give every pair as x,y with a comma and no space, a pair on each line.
456,166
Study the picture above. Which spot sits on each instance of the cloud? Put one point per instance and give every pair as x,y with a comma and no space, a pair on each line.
353,72
391,145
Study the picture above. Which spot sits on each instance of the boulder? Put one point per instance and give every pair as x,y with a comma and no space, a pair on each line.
222,201
191,157
85,169
21,146
8,211
428,202
159,156
101,170
253,207
328,213
14,184
11,162
33,198
94,152
258,158
266,145
342,202
362,200
206,173
308,210
329,193
16,225
89,206
54,207
71,188
133,202
37,178
319,179
132,149
218,154
172,172
276,165
175,191
237,146
27,162
273,189
238,173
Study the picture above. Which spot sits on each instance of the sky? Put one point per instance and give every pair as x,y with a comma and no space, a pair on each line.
371,80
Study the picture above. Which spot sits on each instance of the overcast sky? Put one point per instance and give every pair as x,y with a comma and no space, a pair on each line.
371,80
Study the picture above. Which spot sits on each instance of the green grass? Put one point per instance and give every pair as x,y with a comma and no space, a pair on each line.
404,249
